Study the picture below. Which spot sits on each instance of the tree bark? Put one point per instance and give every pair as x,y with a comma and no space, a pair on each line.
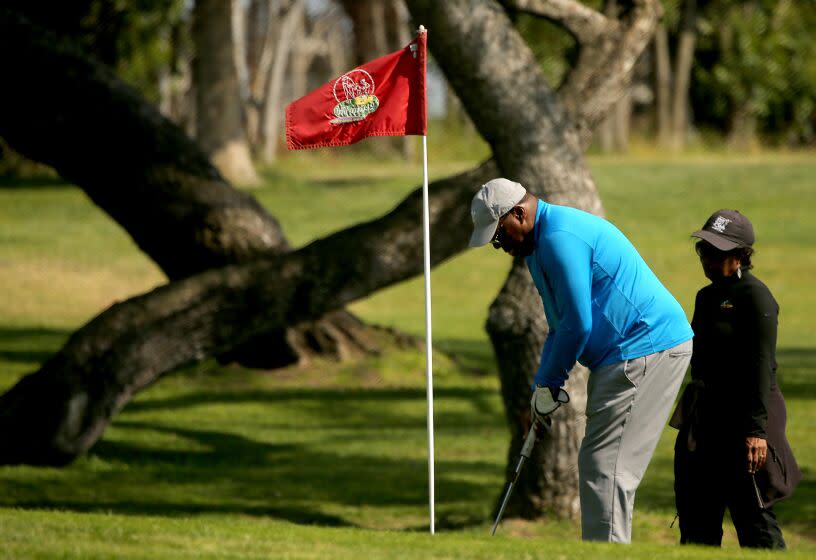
220,122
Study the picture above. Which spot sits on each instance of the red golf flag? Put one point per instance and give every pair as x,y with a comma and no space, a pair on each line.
384,97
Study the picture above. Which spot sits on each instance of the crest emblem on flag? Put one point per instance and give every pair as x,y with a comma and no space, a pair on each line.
345,110
354,93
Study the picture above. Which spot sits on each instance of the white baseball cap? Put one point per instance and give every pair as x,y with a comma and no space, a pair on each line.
494,199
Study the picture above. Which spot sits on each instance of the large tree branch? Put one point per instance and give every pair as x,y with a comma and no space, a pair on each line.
71,112
609,49
609,84
604,69
51,416
581,21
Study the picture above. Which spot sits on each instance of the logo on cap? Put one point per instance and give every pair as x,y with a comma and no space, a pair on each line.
720,223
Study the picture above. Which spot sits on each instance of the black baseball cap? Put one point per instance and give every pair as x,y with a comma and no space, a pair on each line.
727,230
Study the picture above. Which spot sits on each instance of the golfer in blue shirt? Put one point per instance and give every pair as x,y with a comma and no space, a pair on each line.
607,310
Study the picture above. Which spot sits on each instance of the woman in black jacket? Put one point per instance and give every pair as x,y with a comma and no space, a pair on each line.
731,450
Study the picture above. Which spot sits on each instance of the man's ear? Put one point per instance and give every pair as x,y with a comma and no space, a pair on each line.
518,213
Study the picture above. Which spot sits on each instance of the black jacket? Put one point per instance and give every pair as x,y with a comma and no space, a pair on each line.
734,324
734,392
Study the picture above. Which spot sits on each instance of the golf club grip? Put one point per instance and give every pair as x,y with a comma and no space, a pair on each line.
529,443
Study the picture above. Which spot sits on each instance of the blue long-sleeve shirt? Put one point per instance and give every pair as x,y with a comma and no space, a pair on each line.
603,302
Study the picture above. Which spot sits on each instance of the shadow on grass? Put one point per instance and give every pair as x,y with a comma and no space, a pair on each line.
799,510
797,378
473,356
154,467
30,345
221,471
342,182
658,492
479,399
797,372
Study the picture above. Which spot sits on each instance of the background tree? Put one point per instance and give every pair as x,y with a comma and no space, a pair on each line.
547,158
175,203
219,119
672,82
757,71
188,219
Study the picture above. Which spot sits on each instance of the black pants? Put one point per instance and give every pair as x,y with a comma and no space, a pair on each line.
710,479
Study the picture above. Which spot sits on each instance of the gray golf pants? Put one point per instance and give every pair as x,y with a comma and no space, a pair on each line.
628,404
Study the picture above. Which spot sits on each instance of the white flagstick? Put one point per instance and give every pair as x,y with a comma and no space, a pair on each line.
426,245
426,230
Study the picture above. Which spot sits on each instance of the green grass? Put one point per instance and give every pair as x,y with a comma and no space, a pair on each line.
331,460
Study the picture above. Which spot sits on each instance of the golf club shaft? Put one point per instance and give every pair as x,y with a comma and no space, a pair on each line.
526,451
760,503
503,505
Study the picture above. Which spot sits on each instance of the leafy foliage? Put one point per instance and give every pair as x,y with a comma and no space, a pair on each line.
759,57
136,37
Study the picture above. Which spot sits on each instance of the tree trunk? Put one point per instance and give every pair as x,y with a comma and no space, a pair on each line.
149,177
271,111
682,75
606,135
742,133
258,31
370,29
613,132
239,51
220,122
518,336
609,133
662,87
622,113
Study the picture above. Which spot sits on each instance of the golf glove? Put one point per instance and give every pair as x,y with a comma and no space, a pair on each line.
545,400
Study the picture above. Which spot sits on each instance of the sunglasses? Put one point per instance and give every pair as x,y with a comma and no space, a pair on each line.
496,241
709,252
